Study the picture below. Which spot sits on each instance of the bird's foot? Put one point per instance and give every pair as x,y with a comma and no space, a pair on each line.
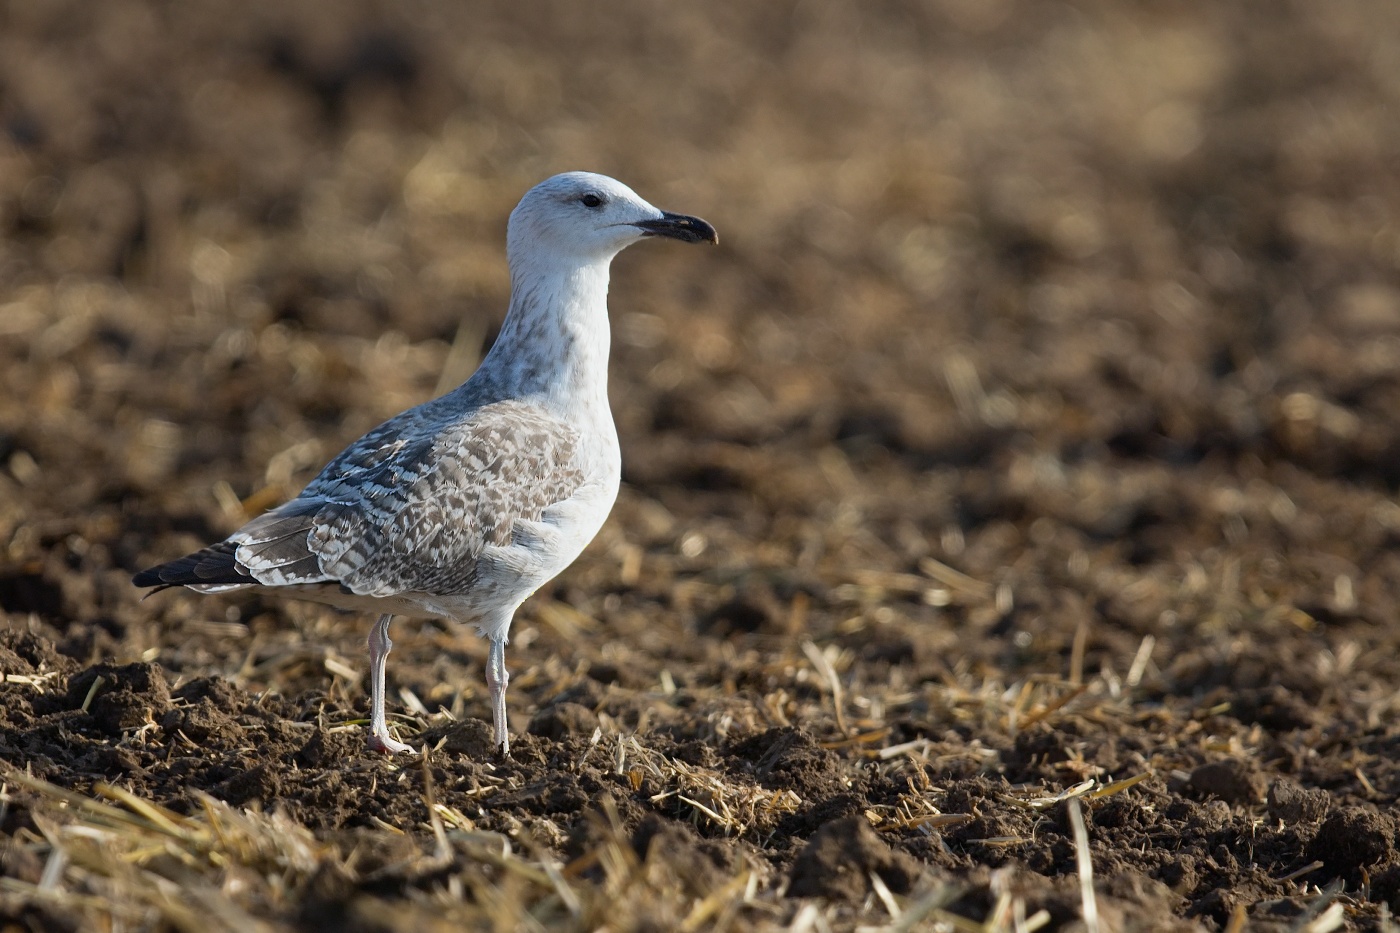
385,744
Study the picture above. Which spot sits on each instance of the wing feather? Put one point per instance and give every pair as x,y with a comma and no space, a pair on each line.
414,514
410,507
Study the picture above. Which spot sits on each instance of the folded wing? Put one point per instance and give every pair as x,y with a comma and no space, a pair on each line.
410,507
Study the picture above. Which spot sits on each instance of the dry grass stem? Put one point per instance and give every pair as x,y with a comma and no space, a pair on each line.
827,672
1088,898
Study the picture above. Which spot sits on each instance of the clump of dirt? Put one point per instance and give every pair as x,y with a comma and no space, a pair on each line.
25,655
208,711
839,859
1231,779
1352,839
118,698
1291,802
788,758
695,865
561,719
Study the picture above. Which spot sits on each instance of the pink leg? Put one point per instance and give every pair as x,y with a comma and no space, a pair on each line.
497,677
379,644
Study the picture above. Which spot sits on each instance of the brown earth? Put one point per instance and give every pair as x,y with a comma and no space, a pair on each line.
1035,427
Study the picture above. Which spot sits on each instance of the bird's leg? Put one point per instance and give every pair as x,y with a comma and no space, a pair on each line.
497,677
379,644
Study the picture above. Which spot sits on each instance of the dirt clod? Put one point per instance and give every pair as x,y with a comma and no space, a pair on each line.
122,697
790,758
473,738
561,719
1291,802
673,847
1232,780
1353,838
840,857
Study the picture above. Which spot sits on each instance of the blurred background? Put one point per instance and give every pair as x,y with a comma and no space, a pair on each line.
1043,395
1095,302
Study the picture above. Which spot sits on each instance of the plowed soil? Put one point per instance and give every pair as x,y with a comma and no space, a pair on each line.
1035,428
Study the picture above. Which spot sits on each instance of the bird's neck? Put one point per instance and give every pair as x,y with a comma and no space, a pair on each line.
554,343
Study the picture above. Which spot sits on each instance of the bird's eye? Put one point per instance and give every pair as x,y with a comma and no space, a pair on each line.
591,200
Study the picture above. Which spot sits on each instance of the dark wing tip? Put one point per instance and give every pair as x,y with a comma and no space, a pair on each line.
212,565
149,577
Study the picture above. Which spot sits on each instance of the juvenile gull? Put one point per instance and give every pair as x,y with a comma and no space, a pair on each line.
464,506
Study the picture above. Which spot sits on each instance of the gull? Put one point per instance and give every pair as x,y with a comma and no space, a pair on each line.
464,506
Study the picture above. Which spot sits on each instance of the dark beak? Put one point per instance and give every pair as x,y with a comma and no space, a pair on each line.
679,227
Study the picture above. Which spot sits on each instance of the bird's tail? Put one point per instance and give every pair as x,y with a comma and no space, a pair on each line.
213,566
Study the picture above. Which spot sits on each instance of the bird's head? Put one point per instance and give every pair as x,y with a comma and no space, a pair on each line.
592,217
